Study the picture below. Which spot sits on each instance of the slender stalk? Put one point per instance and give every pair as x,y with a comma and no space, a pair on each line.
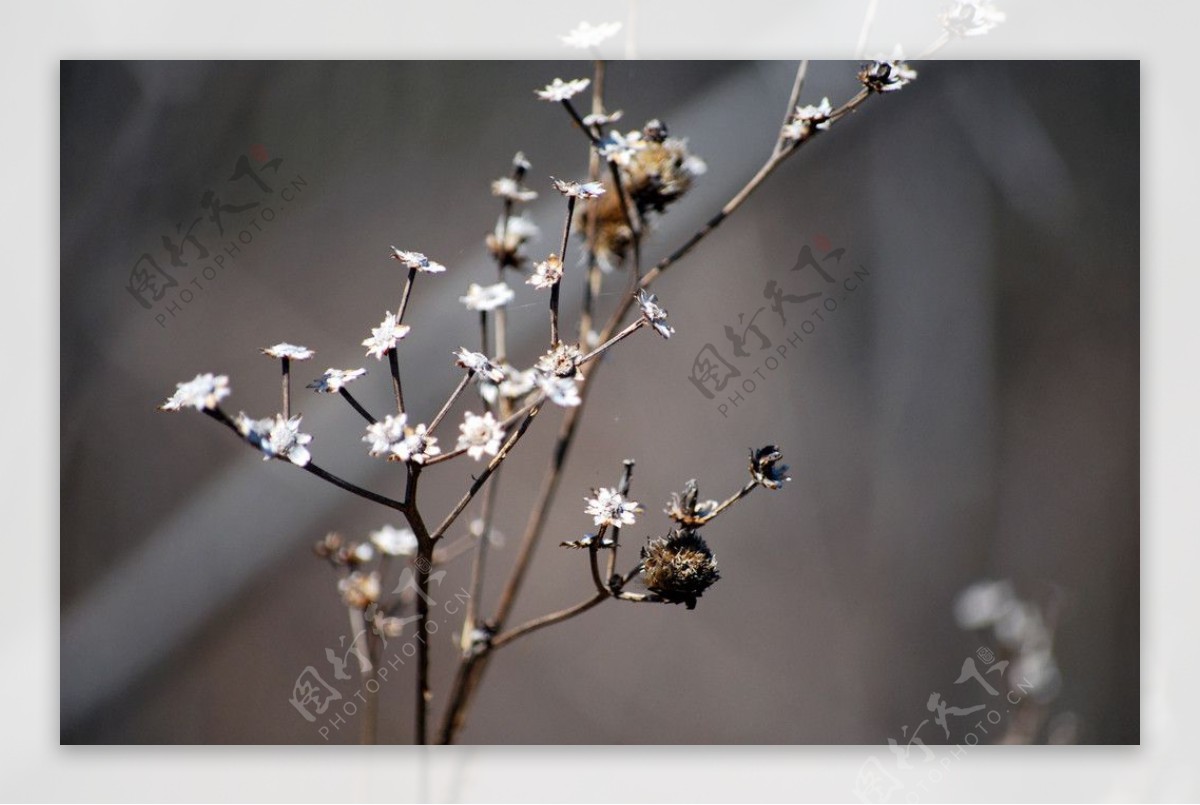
454,395
793,101
483,332
374,497
370,725
363,412
287,386
607,345
423,564
734,498
478,565
554,289
503,639
408,286
591,285
397,390
622,489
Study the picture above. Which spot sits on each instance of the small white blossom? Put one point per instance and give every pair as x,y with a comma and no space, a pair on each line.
393,541
478,363
289,351
480,434
515,385
621,148
201,392
970,17
808,119
360,590
417,446
585,35
418,261
603,118
385,434
509,188
585,190
559,390
489,297
277,437
334,380
559,90
385,336
655,315
362,553
547,273
610,507
887,75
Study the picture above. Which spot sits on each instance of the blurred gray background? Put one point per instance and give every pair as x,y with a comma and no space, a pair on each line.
970,411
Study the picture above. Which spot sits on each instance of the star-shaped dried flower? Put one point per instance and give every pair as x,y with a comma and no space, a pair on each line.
393,541
602,118
585,35
546,273
970,17
489,297
609,507
385,336
201,392
515,385
418,261
687,509
808,119
766,469
360,590
559,390
478,363
334,380
512,190
385,434
276,437
577,190
479,435
887,75
654,315
289,351
417,445
621,148
559,90
506,240
561,361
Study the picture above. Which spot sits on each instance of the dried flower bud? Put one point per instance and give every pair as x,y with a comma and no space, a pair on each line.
679,567
886,75
686,509
327,547
766,469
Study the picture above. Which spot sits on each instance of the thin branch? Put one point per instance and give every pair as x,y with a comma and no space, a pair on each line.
408,286
394,364
505,638
454,395
363,412
287,386
793,102
554,289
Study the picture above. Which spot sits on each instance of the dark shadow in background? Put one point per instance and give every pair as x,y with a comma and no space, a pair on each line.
970,410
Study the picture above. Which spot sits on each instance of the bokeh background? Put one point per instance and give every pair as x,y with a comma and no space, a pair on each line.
969,412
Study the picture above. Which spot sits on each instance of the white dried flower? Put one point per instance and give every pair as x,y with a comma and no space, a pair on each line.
489,297
808,119
602,118
360,590
654,315
983,604
478,363
480,434
509,188
201,392
621,148
289,351
515,385
609,507
576,189
970,17
393,541
276,437
385,434
559,390
559,90
334,380
417,446
392,437
385,336
418,261
362,553
887,75
585,35
547,273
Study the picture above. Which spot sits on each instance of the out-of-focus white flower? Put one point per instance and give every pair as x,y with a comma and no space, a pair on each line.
393,541
547,273
360,590
479,435
385,434
385,336
478,363
583,190
585,35
655,315
362,553
1036,672
970,17
495,536
559,90
487,297
201,392
276,437
334,380
602,118
515,385
289,351
559,390
509,188
808,119
620,148
418,261
609,507
887,75
983,604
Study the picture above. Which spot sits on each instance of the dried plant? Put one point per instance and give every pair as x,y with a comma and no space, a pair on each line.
634,178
